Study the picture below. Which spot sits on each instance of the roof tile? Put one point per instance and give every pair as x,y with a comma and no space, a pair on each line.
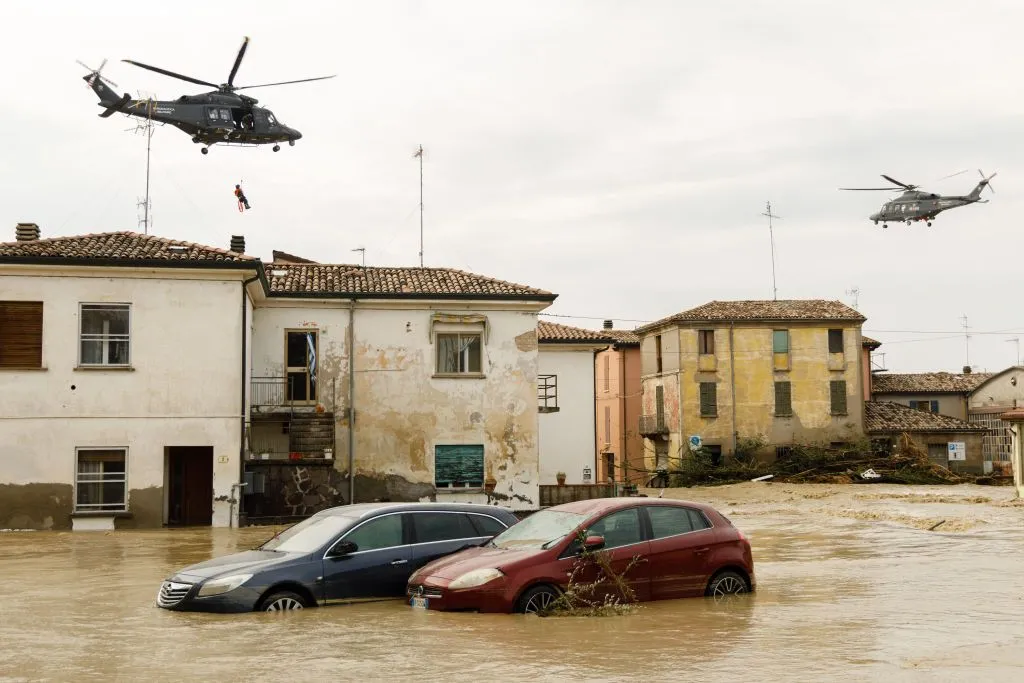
556,333
624,337
869,342
117,246
884,417
928,383
762,310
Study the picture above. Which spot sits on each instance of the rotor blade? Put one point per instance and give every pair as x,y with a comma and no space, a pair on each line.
893,180
238,60
303,80
886,189
170,73
952,175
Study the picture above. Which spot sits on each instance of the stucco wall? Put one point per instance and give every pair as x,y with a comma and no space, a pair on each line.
953,405
402,411
567,436
183,387
1005,390
622,397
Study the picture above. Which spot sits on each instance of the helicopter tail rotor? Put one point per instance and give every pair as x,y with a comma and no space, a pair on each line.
96,73
987,182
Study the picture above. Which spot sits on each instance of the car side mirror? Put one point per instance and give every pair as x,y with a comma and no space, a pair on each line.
343,548
593,543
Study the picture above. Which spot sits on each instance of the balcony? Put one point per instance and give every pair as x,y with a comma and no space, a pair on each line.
653,424
284,394
547,393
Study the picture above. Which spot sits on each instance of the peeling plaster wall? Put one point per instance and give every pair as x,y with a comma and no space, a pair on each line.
402,410
567,436
183,388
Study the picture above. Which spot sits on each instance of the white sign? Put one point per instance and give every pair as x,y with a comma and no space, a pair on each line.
957,450
586,474
695,443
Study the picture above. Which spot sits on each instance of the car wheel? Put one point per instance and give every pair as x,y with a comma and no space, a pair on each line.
727,583
537,600
281,601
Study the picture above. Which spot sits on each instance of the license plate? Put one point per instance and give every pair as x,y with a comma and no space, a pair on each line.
419,602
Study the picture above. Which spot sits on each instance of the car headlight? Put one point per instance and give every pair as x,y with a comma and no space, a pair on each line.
477,577
223,584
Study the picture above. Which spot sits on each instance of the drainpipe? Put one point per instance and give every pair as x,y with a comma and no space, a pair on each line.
351,402
679,392
241,433
621,388
732,380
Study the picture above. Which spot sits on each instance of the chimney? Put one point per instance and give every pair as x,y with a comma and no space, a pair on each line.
26,232
238,244
608,325
967,369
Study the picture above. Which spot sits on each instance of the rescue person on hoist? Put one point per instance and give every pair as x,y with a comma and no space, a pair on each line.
242,200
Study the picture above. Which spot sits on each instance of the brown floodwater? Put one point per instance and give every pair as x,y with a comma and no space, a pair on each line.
852,587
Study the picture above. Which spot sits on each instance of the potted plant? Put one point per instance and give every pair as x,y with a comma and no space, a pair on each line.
489,484
560,477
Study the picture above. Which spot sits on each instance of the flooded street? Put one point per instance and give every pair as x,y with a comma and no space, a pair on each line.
851,586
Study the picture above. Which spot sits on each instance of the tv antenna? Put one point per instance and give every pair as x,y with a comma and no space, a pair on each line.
771,235
854,292
147,129
419,153
1017,341
362,249
967,341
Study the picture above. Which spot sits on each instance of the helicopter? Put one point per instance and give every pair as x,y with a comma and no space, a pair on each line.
220,116
914,205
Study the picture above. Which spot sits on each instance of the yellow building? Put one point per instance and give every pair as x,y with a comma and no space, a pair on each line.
787,371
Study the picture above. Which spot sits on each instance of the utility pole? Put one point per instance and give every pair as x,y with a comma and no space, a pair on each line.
362,249
967,341
147,128
419,153
771,235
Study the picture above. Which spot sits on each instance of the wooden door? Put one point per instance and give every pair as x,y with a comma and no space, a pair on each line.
190,495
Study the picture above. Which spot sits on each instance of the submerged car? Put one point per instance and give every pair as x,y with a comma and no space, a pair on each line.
343,554
685,550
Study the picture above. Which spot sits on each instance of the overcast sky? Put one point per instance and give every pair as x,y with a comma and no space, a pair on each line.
617,153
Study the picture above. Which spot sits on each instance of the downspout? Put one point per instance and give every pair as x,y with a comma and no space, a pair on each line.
732,380
593,364
241,440
351,403
621,388
679,392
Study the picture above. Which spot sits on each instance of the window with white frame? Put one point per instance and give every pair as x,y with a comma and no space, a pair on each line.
459,353
104,334
100,480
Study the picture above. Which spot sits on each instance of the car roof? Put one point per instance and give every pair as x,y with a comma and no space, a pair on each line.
601,505
360,510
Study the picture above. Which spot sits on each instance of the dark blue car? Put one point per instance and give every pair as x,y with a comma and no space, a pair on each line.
344,554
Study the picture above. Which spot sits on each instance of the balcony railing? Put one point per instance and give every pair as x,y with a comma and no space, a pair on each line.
273,392
547,393
653,424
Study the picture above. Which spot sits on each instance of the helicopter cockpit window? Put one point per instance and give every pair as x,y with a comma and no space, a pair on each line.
271,119
225,115
213,114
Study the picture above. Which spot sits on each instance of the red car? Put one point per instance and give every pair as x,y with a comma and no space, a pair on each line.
686,549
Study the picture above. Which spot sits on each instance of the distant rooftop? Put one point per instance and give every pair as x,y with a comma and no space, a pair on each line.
549,333
928,383
884,417
762,310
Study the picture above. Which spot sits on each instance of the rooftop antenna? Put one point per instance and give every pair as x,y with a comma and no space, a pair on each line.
1017,341
771,234
419,153
967,341
855,293
146,128
362,249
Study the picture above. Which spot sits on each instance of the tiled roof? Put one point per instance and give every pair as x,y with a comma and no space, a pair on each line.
285,257
869,342
928,383
548,333
336,279
623,337
765,310
884,417
116,246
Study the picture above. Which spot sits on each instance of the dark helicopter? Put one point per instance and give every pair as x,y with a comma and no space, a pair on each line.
221,116
913,205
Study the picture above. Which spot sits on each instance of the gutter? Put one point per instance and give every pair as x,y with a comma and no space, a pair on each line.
351,402
732,380
241,440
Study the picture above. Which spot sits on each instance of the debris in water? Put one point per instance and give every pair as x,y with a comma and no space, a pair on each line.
767,476
936,525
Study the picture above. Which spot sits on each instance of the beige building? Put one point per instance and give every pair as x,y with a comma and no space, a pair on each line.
787,371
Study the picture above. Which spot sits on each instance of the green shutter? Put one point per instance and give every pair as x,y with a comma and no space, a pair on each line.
780,341
461,465
783,398
838,391
708,399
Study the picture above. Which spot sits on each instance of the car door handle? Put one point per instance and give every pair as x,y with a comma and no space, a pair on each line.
701,551
399,562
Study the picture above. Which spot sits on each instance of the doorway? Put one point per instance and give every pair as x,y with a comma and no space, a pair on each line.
189,485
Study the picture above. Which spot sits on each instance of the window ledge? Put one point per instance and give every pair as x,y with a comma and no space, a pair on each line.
120,514
547,409
107,368
27,368
784,415
459,375
472,489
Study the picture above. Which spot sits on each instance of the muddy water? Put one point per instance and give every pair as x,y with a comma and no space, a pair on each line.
852,587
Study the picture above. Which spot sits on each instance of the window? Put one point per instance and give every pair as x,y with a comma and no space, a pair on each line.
309,534
21,334
618,529
487,525
671,521
706,342
300,359
708,399
835,341
458,354
105,334
607,373
780,341
100,481
547,393
458,466
838,394
432,527
925,406
659,406
378,533
657,352
607,425
783,399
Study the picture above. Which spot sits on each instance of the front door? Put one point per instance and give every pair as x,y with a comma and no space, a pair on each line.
190,485
378,567
681,544
300,361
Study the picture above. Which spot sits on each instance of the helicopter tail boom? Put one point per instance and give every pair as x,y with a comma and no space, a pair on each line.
108,98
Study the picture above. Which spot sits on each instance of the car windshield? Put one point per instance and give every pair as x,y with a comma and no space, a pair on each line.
309,534
538,530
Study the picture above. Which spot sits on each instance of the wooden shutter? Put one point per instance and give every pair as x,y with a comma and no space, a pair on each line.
659,405
935,406
838,391
708,398
835,341
21,334
783,398
459,465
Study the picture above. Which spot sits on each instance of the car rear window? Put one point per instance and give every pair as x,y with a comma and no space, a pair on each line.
442,526
487,525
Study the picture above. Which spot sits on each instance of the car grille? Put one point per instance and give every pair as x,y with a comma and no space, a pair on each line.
425,592
172,593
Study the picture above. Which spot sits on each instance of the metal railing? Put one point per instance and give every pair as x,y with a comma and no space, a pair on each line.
272,392
547,392
653,424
